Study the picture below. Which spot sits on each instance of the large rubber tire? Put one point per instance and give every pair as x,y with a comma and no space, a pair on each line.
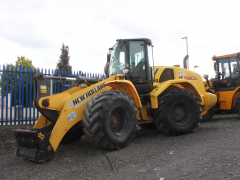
179,112
74,134
208,116
237,107
110,120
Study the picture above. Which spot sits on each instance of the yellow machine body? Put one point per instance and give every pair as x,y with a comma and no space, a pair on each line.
225,87
62,111
70,113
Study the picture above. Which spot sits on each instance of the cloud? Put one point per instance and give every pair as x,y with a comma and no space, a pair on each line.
19,23
134,29
25,34
37,29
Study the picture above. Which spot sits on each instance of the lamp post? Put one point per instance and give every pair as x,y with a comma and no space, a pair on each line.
196,66
187,50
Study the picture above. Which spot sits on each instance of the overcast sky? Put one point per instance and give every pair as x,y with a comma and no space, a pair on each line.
37,29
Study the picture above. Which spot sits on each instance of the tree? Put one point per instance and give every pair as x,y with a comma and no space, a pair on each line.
24,62
63,63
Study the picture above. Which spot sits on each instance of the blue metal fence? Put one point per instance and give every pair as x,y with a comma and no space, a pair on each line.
17,92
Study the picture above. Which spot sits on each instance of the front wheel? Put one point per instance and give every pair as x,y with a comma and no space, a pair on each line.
110,120
179,112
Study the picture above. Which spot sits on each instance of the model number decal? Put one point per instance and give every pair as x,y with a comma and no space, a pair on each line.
188,77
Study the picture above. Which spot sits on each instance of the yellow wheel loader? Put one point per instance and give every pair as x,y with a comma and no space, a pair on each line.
225,84
108,110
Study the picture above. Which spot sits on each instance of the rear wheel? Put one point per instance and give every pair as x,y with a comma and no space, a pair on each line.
110,120
179,112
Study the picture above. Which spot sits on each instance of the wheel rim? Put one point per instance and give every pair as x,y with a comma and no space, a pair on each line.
181,113
119,120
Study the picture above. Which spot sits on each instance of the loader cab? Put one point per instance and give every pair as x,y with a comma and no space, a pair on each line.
227,75
133,58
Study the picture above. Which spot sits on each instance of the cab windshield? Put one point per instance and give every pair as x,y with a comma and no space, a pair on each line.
135,60
228,67
118,58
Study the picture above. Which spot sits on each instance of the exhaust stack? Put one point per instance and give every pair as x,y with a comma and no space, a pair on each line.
185,62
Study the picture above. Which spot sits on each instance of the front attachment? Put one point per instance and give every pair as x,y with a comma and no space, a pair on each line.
33,144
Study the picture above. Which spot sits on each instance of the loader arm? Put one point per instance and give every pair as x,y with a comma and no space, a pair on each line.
59,113
72,111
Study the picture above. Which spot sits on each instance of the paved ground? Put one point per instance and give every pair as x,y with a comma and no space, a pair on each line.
212,152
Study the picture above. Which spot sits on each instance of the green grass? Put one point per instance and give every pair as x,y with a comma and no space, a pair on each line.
221,117
90,152
233,119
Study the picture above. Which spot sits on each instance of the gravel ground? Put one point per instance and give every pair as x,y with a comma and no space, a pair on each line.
212,152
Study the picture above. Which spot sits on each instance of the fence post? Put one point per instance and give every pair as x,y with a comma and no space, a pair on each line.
19,95
2,89
30,98
34,94
15,96
6,109
65,81
51,82
11,105
23,78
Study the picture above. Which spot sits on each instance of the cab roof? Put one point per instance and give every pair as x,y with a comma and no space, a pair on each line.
148,41
227,55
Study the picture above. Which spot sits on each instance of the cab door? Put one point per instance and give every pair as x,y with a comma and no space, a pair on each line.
139,67
228,73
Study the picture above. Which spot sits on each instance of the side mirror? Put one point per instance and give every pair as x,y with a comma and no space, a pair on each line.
205,76
215,66
108,57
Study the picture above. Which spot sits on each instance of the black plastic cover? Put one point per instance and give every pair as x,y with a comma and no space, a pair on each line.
166,75
40,82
